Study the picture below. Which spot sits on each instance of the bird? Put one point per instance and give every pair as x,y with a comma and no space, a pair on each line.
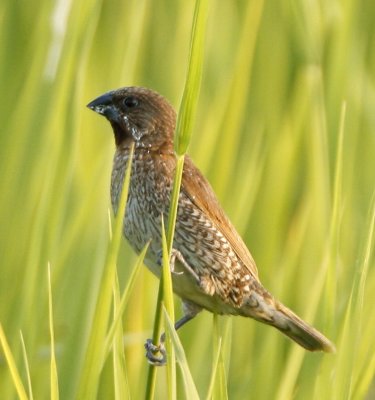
211,267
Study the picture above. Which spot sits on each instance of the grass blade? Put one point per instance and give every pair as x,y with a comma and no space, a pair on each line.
95,351
54,382
26,361
190,389
169,309
189,101
12,366
215,364
120,381
122,303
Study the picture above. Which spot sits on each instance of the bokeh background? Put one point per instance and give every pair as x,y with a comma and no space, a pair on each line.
285,132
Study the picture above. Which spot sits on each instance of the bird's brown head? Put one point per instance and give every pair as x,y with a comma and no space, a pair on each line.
137,115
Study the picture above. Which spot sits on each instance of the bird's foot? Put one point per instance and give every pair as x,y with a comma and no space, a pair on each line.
155,354
177,255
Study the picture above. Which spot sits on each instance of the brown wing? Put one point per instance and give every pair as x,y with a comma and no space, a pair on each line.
197,188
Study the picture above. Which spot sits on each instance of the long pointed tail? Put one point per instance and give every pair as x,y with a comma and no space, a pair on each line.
283,319
298,330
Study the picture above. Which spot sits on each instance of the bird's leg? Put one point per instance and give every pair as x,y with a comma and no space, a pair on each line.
178,324
153,350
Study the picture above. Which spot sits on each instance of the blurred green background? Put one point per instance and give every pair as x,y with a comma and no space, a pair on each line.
285,132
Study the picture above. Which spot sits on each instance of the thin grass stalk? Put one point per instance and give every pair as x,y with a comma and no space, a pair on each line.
331,286
214,369
122,304
182,139
220,390
95,351
151,376
189,101
369,248
189,385
344,359
169,308
54,381
365,377
120,381
12,366
27,367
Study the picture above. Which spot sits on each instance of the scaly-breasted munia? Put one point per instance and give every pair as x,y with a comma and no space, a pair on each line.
213,268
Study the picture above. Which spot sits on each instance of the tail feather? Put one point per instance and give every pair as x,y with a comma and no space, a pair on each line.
272,312
298,330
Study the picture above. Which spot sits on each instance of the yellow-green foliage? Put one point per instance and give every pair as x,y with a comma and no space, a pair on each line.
285,132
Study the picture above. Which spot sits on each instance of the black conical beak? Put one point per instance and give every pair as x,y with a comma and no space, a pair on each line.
102,104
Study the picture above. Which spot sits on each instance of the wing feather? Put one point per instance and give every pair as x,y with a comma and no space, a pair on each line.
200,192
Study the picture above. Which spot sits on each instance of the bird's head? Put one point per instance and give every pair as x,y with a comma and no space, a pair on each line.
137,115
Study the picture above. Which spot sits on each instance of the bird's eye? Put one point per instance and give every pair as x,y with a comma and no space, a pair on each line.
130,102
